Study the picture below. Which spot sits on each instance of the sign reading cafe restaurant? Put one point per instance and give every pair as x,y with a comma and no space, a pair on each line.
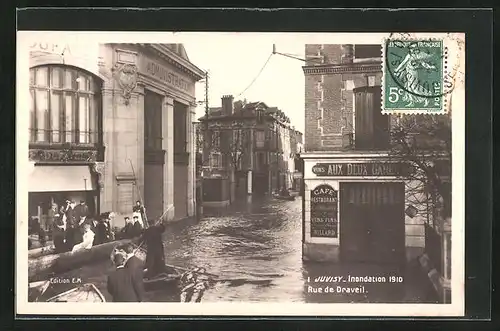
361,169
324,206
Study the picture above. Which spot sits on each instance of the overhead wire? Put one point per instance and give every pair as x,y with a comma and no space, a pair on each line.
253,81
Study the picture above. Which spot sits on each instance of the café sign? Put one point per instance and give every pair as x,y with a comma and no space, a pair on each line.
372,169
324,207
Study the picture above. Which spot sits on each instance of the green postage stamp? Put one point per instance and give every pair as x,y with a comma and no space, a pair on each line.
414,76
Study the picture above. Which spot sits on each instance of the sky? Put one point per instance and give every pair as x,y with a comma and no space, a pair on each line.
233,64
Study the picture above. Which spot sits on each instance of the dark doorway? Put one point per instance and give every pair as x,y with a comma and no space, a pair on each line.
372,227
154,155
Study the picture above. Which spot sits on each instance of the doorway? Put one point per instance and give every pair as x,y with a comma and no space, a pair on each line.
154,155
372,227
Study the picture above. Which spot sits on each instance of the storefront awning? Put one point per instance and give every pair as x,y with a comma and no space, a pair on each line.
60,178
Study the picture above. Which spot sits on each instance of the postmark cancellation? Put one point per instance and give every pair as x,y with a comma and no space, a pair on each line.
420,73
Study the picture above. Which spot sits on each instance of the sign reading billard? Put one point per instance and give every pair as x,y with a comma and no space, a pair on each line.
324,205
361,169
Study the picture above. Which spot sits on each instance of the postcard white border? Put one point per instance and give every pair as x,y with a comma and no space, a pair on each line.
456,308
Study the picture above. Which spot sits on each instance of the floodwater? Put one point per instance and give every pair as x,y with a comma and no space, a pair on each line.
257,245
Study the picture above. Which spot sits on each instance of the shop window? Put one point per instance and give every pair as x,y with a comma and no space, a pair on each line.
260,138
261,161
65,105
215,160
215,140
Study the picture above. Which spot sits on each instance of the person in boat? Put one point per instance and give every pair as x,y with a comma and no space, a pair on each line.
140,211
82,210
155,257
136,268
110,219
128,230
79,230
120,282
88,239
71,224
137,226
59,233
51,218
100,232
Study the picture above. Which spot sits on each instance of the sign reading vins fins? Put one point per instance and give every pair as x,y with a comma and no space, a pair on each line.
324,205
362,169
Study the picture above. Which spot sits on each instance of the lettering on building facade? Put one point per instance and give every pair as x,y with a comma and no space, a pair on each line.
165,75
324,207
51,48
63,155
361,169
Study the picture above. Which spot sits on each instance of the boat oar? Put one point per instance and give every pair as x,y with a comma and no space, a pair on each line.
161,217
191,270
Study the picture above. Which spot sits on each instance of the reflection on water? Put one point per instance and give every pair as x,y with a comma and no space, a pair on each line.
258,247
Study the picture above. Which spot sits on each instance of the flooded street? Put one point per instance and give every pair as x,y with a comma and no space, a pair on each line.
259,243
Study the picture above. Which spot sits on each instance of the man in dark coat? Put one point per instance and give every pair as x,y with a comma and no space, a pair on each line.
82,210
71,224
128,230
136,269
121,283
100,233
58,233
137,227
155,258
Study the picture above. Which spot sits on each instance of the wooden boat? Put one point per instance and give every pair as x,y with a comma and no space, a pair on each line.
57,263
284,197
41,251
37,289
84,293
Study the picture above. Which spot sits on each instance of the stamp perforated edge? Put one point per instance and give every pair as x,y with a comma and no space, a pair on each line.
416,111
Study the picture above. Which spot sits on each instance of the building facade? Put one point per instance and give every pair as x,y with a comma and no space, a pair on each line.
112,125
250,147
361,201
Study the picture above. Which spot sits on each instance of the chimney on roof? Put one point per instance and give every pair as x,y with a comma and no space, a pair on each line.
227,104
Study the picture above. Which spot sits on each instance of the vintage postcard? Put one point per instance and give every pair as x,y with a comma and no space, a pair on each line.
284,174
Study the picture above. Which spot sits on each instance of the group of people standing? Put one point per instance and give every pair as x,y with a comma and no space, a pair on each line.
74,229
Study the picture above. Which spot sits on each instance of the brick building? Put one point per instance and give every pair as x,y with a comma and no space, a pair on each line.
359,201
112,124
249,148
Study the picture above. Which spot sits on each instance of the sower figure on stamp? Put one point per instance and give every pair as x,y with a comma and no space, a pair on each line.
408,73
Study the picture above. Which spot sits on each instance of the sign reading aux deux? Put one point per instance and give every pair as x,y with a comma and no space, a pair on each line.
361,169
324,206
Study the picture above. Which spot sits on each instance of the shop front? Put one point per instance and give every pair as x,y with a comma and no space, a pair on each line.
65,127
354,210
51,185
